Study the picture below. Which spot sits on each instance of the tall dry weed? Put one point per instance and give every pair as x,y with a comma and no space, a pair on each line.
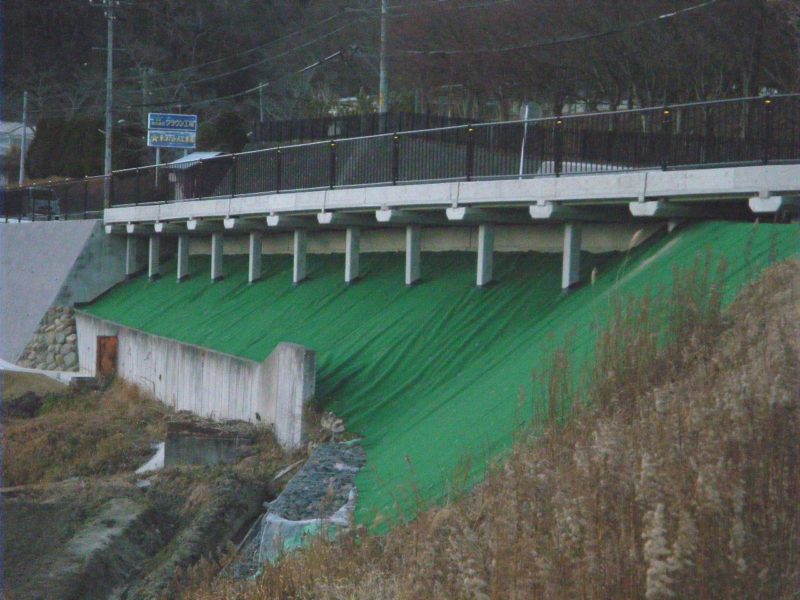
679,480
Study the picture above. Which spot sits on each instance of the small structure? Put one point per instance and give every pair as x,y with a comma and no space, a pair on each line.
10,145
183,172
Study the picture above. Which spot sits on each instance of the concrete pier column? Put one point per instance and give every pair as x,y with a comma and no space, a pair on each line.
300,247
154,257
216,256
485,254
351,252
254,262
413,257
131,256
183,257
570,269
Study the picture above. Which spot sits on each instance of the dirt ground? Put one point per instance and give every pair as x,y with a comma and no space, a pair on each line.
89,529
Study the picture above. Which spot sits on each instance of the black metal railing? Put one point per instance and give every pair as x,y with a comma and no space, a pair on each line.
54,200
744,131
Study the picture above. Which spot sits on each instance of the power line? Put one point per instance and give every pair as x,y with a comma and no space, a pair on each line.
243,92
563,40
251,50
253,64
240,68
442,3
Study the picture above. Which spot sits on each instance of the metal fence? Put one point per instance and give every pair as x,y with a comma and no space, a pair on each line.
745,131
54,200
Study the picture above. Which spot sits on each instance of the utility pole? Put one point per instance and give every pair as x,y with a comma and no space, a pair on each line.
24,137
145,94
108,6
383,88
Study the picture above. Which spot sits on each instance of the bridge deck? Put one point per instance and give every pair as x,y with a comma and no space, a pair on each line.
678,186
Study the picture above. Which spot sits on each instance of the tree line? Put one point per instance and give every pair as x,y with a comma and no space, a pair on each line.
231,61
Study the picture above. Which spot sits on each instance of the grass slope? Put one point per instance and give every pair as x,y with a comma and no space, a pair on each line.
430,375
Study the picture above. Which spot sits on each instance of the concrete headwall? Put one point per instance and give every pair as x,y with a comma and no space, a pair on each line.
209,383
51,263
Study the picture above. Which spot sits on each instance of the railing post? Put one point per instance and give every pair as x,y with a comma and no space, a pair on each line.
558,147
138,188
395,158
767,134
85,195
666,137
278,170
233,175
198,179
470,162
332,173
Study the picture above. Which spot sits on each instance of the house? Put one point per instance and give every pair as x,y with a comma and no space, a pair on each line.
10,144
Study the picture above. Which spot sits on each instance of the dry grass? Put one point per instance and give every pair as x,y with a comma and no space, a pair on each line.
681,481
91,433
16,383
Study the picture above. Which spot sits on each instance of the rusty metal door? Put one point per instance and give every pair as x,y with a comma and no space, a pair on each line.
106,355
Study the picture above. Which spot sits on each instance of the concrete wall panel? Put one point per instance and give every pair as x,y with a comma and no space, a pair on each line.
209,383
51,263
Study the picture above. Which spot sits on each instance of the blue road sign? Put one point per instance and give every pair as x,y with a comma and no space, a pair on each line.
158,138
171,122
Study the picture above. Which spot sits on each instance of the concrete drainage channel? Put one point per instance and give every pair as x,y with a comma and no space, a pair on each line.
127,536
318,500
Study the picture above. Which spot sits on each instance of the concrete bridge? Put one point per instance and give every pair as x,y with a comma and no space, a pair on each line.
632,199
612,172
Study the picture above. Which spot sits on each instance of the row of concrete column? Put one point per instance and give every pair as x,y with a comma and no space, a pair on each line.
413,252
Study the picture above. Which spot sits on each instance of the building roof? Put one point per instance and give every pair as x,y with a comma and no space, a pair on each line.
190,160
14,127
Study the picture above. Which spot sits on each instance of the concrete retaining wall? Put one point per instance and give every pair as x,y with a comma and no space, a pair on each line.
50,263
209,383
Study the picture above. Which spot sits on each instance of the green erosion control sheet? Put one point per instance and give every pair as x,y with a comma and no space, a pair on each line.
430,376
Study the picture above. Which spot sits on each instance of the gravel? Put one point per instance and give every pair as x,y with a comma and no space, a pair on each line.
322,486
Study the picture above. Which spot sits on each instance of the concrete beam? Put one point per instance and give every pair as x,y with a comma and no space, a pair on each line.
560,212
154,257
139,228
161,227
131,256
345,219
183,257
254,257
485,254
243,224
352,248
773,204
413,254
409,217
570,267
217,245
202,226
465,215
115,229
291,221
299,251
659,209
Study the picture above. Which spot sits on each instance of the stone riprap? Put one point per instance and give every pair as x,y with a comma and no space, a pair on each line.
323,485
54,346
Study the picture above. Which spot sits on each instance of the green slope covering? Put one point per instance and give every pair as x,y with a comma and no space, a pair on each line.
429,375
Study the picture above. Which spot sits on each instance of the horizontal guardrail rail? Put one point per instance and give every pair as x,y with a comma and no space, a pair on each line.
732,132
